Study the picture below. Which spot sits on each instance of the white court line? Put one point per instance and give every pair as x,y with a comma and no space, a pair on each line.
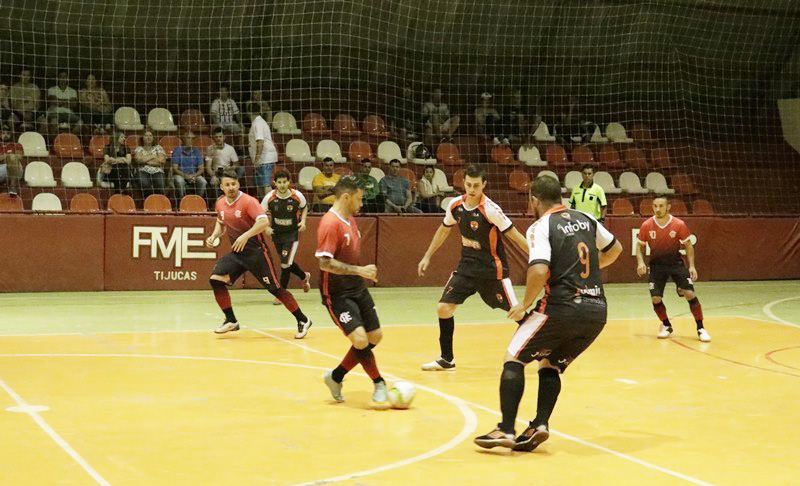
53,435
627,381
767,309
494,412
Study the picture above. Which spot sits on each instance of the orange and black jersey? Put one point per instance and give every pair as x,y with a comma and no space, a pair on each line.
482,252
568,241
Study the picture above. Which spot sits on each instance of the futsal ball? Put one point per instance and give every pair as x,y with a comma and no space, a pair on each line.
402,394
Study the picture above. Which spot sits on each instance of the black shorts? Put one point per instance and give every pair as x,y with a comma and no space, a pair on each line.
353,310
561,334
498,294
254,261
286,248
659,274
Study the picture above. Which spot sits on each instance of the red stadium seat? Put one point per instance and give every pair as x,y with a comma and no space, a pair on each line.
409,174
646,207
343,170
169,143
203,142
502,155
194,120
345,124
374,126
608,158
360,150
68,145
314,124
582,155
121,203
556,156
678,207
84,202
519,181
10,203
635,158
622,207
641,133
447,154
702,207
192,203
458,179
132,141
97,145
157,203
660,159
682,183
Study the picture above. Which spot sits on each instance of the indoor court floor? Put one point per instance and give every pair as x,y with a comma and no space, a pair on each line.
133,388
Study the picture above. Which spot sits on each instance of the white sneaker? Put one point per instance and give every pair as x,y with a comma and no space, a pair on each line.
440,364
380,398
307,282
665,332
703,335
335,388
302,329
227,327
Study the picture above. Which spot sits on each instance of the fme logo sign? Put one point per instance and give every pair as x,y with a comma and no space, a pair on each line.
178,244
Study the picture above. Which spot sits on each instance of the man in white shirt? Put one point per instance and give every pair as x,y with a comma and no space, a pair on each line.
437,119
225,112
220,156
262,153
62,99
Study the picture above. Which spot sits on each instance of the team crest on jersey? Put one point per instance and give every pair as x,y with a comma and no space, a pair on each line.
652,235
565,215
474,225
672,234
499,298
289,207
238,213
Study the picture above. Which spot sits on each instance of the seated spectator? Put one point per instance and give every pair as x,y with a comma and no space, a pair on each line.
402,117
322,184
25,100
572,124
151,159
188,167
373,200
220,156
430,193
396,191
437,119
518,125
115,171
10,160
225,112
6,115
257,106
62,102
487,120
95,107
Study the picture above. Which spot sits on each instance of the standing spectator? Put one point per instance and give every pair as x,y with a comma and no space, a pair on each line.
10,160
402,117
188,167
95,106
323,184
487,119
62,101
263,154
115,171
151,159
372,200
430,193
396,191
6,115
220,156
257,106
437,118
589,197
225,113
25,100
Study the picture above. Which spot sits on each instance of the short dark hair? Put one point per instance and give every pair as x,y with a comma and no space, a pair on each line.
393,161
328,159
230,173
347,184
587,166
282,174
218,130
474,170
661,196
547,189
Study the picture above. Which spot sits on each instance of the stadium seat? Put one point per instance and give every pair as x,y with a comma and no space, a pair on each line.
315,124
377,173
192,203
97,146
169,143
33,145
160,120
127,118
194,120
557,156
458,179
388,150
343,170
629,182
297,150
656,183
635,158
597,136
572,179
284,123
10,203
519,180
622,207
84,202
157,203
345,124
121,203
447,154
641,133
660,159
582,155
678,207
646,207
411,151
329,148
702,207
605,181
132,141
446,202
529,155
360,150
75,174
46,201
374,126
502,155
410,175
608,158
39,174
305,176
440,178
68,145
203,142
542,134
616,133
682,183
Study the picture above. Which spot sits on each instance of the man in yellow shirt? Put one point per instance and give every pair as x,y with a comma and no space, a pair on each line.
589,197
323,186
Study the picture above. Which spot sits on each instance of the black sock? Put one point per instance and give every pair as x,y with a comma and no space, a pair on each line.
298,314
549,388
229,315
338,374
285,274
512,385
446,328
295,268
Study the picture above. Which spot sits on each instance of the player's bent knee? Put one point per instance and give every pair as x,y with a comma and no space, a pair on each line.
688,294
359,338
656,300
445,310
219,278
374,337
545,363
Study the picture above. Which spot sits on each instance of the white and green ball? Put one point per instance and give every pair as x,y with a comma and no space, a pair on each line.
402,394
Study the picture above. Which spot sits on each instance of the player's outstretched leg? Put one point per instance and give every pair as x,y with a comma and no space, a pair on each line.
333,379
303,322
538,430
512,386
661,311
302,275
224,300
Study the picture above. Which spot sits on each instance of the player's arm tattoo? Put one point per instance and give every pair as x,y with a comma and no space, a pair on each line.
334,266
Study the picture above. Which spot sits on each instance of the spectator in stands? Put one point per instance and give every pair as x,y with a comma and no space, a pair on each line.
188,167
263,154
62,102
6,115
10,160
373,201
488,119
322,184
430,193
220,156
437,119
588,196
115,171
25,100
396,191
572,124
517,124
95,106
402,117
257,106
225,112
151,159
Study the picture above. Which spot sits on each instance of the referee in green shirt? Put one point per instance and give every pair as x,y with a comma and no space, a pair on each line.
589,197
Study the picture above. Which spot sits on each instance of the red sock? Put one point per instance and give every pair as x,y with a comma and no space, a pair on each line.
223,299
661,311
350,359
287,300
697,309
367,360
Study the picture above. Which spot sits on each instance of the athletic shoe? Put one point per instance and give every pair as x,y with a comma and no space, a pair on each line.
302,329
307,282
227,327
380,397
531,438
277,301
665,332
496,438
703,335
440,364
335,388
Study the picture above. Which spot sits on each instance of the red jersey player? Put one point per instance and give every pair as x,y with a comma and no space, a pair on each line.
344,291
666,235
246,223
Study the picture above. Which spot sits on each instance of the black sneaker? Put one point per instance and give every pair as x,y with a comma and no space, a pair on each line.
531,438
227,327
496,438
